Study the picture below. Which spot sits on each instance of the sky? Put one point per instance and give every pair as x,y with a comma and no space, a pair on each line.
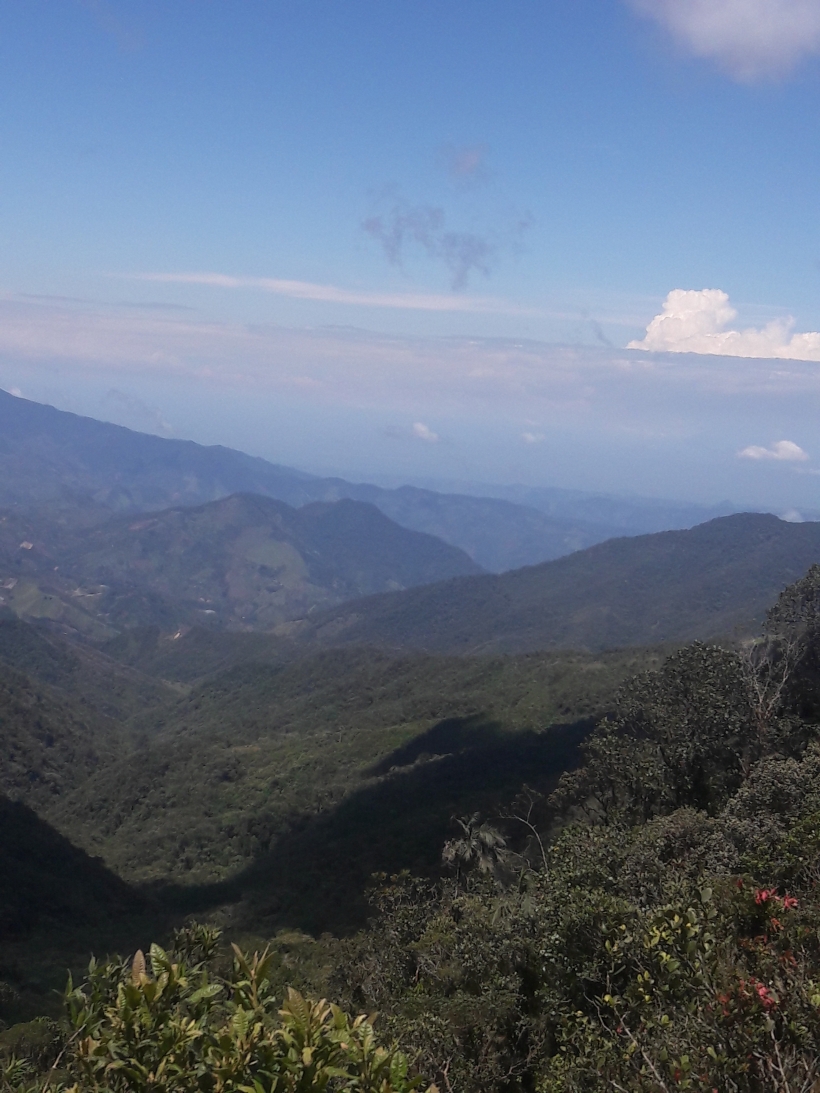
562,243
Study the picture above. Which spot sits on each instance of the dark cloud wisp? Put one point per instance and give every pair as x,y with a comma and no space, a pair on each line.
403,226
463,253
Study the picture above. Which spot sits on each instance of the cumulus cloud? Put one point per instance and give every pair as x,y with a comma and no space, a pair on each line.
695,321
785,451
750,39
424,432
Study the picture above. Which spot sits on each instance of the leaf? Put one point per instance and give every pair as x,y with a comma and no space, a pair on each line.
211,990
138,968
159,958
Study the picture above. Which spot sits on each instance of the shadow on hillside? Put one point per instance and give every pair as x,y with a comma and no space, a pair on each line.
316,876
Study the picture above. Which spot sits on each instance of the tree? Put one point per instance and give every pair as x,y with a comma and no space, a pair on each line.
787,659
677,738
481,847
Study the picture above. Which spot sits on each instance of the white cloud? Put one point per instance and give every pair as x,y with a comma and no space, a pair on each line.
332,294
751,39
792,516
539,388
694,321
533,438
424,432
783,450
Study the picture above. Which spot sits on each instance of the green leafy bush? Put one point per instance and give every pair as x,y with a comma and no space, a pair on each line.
171,1025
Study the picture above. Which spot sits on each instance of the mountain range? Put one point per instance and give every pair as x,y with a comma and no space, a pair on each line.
58,458
709,581
106,530
245,689
244,561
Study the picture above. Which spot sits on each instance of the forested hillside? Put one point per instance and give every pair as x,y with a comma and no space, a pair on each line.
243,562
714,580
667,938
646,921
258,786
270,759
447,839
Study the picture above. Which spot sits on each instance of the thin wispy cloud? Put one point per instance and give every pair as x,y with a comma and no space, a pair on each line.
332,294
137,411
465,165
782,451
415,376
697,321
749,39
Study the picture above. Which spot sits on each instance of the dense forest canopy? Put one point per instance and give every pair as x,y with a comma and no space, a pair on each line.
652,924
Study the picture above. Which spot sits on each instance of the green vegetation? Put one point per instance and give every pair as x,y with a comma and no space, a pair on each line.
710,582
295,780
274,788
57,904
176,1024
593,870
668,937
46,879
79,673
244,562
650,925
50,744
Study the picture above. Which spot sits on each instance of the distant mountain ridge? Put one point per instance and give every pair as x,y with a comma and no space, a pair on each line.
54,457
669,586
244,561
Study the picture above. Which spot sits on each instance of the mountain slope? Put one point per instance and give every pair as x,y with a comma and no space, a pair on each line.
670,586
49,743
227,771
89,678
47,879
244,561
49,456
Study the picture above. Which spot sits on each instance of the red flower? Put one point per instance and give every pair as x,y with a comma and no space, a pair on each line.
789,903
763,994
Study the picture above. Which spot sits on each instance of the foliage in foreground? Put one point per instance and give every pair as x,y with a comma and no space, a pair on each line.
669,937
171,1025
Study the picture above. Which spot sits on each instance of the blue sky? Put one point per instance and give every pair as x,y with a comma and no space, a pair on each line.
426,239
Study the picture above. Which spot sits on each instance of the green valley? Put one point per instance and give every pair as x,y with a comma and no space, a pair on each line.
474,802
